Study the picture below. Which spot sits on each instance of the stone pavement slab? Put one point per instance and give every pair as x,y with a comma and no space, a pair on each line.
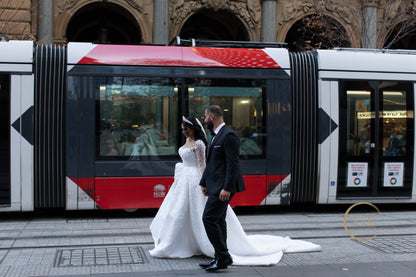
118,246
375,269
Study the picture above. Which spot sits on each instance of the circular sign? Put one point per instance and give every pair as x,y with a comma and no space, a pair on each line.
360,221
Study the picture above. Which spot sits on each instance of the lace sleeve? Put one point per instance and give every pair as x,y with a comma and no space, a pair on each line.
200,155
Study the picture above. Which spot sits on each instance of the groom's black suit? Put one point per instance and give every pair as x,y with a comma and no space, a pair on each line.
222,172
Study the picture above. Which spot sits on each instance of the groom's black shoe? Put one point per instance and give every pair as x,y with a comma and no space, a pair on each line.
205,265
221,263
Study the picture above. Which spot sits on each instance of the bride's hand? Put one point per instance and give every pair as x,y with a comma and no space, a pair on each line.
204,191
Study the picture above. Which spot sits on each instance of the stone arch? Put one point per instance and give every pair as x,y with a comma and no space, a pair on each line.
246,13
289,12
65,11
407,41
288,28
214,25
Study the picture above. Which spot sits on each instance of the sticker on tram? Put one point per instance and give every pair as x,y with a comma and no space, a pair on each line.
393,174
159,191
357,174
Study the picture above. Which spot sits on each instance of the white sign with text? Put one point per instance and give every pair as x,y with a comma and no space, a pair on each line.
357,174
393,174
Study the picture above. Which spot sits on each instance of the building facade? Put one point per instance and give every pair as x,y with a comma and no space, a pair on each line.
360,23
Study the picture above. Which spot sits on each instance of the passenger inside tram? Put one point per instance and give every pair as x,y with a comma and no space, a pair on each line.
395,145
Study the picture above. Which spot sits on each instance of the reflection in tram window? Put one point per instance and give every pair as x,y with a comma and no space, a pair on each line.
242,102
359,121
136,118
391,101
395,116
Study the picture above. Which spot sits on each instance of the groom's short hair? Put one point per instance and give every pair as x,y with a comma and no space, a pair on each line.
216,110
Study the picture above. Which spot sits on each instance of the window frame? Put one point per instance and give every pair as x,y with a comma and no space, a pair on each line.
275,78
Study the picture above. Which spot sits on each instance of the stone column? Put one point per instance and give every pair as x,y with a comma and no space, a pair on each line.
369,34
268,23
160,22
45,22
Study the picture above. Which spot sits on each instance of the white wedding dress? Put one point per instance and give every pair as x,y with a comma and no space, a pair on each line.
178,230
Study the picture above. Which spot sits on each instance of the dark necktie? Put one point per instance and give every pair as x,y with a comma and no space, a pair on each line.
213,134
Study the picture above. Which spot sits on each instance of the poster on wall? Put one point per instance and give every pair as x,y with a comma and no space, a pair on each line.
393,174
357,174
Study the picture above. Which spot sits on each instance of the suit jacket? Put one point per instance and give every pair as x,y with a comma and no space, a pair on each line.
222,169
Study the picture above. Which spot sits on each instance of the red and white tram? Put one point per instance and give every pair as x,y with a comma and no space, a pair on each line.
98,126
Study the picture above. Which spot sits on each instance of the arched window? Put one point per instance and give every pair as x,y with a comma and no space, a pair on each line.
317,31
104,23
214,25
403,36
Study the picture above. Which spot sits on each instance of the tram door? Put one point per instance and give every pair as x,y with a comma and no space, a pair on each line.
4,140
376,139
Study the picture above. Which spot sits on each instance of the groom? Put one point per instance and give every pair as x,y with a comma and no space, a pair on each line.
220,181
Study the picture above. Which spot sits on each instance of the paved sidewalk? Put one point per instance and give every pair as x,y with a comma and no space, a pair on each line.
377,269
111,244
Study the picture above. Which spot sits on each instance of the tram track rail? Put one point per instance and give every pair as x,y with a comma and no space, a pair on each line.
151,242
247,229
338,233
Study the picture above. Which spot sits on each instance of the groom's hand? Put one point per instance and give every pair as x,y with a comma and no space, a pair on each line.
204,190
224,195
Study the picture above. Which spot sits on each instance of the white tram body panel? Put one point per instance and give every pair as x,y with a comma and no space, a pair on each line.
16,62
365,98
367,64
16,56
335,66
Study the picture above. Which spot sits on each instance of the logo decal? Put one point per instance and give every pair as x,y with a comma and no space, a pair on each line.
363,221
159,191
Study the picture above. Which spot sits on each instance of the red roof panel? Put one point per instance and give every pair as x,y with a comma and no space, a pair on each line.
178,56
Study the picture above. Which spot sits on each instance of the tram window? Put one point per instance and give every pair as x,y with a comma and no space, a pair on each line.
394,109
242,102
359,118
395,115
136,118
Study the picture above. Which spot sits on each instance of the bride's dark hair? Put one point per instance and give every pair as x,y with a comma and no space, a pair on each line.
194,125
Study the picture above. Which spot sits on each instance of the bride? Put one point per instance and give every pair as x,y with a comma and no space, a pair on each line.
178,230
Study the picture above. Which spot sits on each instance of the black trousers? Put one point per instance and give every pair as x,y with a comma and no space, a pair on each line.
215,225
